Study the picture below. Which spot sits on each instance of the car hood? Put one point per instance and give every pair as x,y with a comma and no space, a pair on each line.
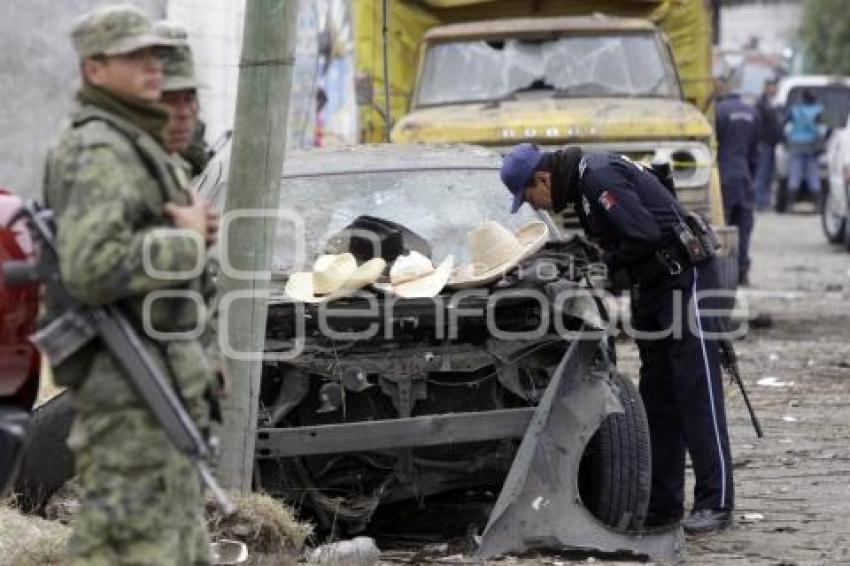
549,120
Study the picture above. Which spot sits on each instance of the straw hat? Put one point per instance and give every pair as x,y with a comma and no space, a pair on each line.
333,277
495,250
414,276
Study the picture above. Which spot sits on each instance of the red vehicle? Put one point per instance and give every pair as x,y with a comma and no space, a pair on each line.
19,359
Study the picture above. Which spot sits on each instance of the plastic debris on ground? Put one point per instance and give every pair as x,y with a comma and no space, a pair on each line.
228,552
359,551
774,382
751,518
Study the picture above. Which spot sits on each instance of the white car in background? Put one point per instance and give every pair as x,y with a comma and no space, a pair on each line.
833,93
836,209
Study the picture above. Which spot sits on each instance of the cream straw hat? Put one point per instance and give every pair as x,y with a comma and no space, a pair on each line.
495,250
414,276
333,277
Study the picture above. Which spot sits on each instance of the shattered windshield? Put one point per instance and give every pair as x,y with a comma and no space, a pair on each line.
441,206
581,66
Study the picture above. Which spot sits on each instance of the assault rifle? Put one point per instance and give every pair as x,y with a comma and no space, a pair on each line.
729,362
79,324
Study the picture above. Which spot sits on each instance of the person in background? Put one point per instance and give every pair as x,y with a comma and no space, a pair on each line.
321,102
804,135
771,135
184,133
738,135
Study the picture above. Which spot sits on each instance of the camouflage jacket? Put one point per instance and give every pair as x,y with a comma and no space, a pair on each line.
107,182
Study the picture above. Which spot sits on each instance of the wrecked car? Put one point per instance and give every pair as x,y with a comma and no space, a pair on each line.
455,407
494,408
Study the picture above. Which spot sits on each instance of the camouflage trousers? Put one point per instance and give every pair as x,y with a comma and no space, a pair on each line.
142,501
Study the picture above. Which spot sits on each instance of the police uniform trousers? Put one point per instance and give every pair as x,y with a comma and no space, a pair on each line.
738,207
681,386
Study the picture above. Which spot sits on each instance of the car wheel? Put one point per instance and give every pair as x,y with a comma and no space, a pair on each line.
47,461
781,202
833,223
615,471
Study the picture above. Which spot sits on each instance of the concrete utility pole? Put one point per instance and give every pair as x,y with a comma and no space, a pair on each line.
256,164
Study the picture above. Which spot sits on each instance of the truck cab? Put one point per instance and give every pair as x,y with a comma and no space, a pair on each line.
599,82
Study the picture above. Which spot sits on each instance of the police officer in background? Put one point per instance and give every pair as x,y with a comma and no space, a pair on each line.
639,223
184,133
771,134
117,192
738,135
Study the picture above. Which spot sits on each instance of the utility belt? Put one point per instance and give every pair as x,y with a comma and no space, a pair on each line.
695,244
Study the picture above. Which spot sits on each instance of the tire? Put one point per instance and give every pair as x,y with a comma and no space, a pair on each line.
615,472
781,202
727,276
728,271
47,461
832,224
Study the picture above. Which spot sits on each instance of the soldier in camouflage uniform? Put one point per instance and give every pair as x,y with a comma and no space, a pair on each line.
117,195
185,132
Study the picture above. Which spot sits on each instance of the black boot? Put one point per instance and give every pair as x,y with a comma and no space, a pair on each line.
706,521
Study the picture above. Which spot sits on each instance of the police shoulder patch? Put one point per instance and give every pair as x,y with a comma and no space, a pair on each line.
607,200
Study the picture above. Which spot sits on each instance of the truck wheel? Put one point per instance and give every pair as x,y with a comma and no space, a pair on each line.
727,277
47,461
615,471
728,272
833,224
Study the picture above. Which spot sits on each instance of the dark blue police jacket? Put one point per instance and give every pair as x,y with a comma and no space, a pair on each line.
738,133
626,208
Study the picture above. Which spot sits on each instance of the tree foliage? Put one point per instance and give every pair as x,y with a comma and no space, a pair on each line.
826,36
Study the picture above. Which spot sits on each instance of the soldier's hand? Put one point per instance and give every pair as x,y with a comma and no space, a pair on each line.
198,217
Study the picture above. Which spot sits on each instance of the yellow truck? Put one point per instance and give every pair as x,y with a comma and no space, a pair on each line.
630,76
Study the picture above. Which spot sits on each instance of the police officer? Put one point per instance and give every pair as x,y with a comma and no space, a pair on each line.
184,133
738,135
119,202
635,217
771,134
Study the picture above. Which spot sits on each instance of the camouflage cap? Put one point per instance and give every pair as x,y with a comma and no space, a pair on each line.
114,30
178,64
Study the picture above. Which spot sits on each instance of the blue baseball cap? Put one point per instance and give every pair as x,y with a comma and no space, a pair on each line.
518,169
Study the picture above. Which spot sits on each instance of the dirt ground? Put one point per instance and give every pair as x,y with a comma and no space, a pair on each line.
793,503
797,476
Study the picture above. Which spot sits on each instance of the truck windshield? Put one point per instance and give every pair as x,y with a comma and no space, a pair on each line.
634,65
